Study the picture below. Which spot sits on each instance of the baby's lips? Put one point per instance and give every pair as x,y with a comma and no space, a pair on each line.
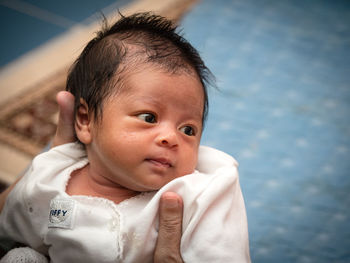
161,161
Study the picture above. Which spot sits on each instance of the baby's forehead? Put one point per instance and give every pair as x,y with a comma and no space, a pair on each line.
160,76
155,84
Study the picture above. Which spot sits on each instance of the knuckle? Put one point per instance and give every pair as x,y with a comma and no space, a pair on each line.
171,227
167,257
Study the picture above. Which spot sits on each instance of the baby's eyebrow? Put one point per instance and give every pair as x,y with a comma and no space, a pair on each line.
148,99
196,114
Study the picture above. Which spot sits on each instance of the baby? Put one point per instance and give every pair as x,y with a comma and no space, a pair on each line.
140,106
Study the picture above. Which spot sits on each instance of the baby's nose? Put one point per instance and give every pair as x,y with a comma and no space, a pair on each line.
168,137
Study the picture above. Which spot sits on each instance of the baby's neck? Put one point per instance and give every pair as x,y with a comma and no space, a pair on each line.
82,182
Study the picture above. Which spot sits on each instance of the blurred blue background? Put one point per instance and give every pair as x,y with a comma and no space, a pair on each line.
282,109
26,24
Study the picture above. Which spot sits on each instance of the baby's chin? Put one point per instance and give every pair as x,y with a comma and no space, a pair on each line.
151,186
154,182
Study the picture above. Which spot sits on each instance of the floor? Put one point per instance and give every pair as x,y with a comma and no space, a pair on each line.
281,109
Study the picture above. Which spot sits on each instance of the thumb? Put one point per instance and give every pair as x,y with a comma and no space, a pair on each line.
65,127
170,229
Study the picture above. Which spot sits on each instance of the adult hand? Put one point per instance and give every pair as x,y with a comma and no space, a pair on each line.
170,207
170,229
65,127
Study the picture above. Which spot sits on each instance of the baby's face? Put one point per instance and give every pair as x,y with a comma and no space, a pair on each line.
150,132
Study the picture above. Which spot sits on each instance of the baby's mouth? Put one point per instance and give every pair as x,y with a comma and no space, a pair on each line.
162,162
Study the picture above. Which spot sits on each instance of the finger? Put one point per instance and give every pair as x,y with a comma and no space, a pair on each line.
65,126
170,229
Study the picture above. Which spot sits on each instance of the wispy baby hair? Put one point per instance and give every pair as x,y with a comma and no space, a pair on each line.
130,42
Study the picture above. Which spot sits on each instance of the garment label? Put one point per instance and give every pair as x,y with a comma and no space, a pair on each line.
61,213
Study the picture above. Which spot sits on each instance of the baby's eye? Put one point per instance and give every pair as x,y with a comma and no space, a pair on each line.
188,130
147,117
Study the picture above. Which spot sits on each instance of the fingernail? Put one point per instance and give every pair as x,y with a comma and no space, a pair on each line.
171,203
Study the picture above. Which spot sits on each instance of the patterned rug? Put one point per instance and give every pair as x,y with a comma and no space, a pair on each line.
28,121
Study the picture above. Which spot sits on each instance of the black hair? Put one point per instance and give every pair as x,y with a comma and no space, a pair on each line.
98,70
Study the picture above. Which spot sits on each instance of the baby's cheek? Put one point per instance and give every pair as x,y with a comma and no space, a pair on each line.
189,166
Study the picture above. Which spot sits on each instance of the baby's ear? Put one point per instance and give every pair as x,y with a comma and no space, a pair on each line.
83,123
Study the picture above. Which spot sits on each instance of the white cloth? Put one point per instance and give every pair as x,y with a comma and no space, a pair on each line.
38,212
23,255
